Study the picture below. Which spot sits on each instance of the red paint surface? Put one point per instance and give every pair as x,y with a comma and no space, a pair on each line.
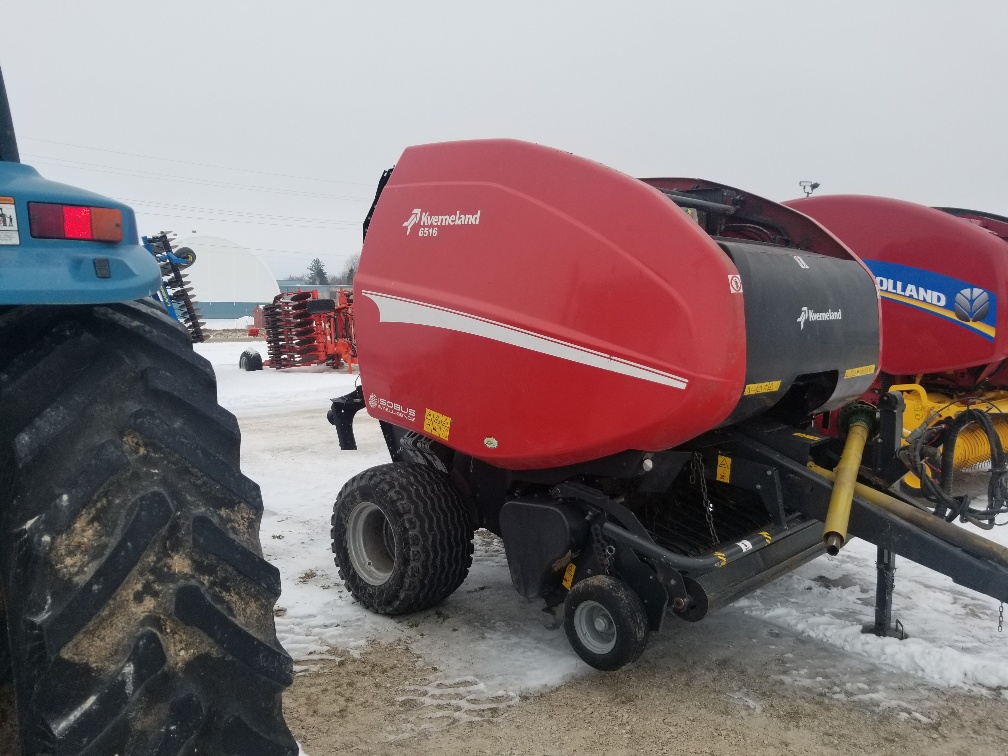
565,248
914,341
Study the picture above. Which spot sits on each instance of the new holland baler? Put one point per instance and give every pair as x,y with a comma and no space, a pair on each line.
943,278
618,376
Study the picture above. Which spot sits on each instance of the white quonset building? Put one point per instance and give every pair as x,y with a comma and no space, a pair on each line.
228,280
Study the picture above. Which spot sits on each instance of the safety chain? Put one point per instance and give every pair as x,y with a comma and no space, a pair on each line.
697,472
1001,618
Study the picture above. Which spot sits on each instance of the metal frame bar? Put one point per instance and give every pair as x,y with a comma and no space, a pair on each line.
809,493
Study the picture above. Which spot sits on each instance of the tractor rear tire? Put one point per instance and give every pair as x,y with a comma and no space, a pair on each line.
138,606
605,622
402,538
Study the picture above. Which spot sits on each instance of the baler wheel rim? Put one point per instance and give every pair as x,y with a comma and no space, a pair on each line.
621,636
595,627
429,536
370,543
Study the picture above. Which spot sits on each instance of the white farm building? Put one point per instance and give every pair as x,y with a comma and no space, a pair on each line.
228,280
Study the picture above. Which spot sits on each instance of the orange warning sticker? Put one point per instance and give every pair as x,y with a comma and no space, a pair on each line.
766,387
568,578
724,468
809,436
437,424
859,371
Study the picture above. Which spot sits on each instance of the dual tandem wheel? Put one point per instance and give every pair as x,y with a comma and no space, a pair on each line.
403,542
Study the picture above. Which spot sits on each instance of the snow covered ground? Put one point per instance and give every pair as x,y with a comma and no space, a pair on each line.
503,645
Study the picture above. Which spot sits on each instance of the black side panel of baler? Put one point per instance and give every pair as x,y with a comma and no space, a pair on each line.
809,320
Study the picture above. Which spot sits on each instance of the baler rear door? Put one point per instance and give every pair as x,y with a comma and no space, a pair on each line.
534,309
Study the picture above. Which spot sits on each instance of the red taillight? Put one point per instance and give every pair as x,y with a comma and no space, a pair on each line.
50,221
76,222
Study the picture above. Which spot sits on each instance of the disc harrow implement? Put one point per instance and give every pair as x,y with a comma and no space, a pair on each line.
176,293
303,329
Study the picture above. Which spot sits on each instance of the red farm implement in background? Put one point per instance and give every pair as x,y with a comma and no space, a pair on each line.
303,329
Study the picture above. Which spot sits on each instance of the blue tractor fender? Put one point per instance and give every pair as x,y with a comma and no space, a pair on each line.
66,271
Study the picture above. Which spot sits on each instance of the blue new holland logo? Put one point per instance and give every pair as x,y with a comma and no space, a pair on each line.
957,301
972,304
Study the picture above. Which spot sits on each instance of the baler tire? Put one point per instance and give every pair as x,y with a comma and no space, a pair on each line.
621,634
419,532
138,606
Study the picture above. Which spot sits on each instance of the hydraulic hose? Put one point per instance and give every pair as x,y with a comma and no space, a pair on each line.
995,498
923,445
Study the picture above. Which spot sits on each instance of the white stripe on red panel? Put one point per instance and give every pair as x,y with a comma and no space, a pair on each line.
393,309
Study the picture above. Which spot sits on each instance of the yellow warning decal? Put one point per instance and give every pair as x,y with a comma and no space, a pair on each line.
766,387
806,435
859,371
437,424
724,468
569,576
766,536
722,559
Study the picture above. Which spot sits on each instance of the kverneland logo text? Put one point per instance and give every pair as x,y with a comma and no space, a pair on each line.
812,315
429,223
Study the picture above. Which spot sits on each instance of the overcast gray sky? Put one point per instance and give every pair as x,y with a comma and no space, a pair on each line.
270,123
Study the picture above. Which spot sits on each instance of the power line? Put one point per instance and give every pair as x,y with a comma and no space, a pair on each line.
245,222
78,165
190,162
242,214
272,250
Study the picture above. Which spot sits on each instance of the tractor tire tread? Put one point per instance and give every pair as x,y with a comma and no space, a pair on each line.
138,604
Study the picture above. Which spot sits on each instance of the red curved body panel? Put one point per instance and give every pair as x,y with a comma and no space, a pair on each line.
996,224
943,281
535,309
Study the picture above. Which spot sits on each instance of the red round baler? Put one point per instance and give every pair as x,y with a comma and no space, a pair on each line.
617,376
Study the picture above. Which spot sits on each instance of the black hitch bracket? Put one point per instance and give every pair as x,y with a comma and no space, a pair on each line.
341,415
